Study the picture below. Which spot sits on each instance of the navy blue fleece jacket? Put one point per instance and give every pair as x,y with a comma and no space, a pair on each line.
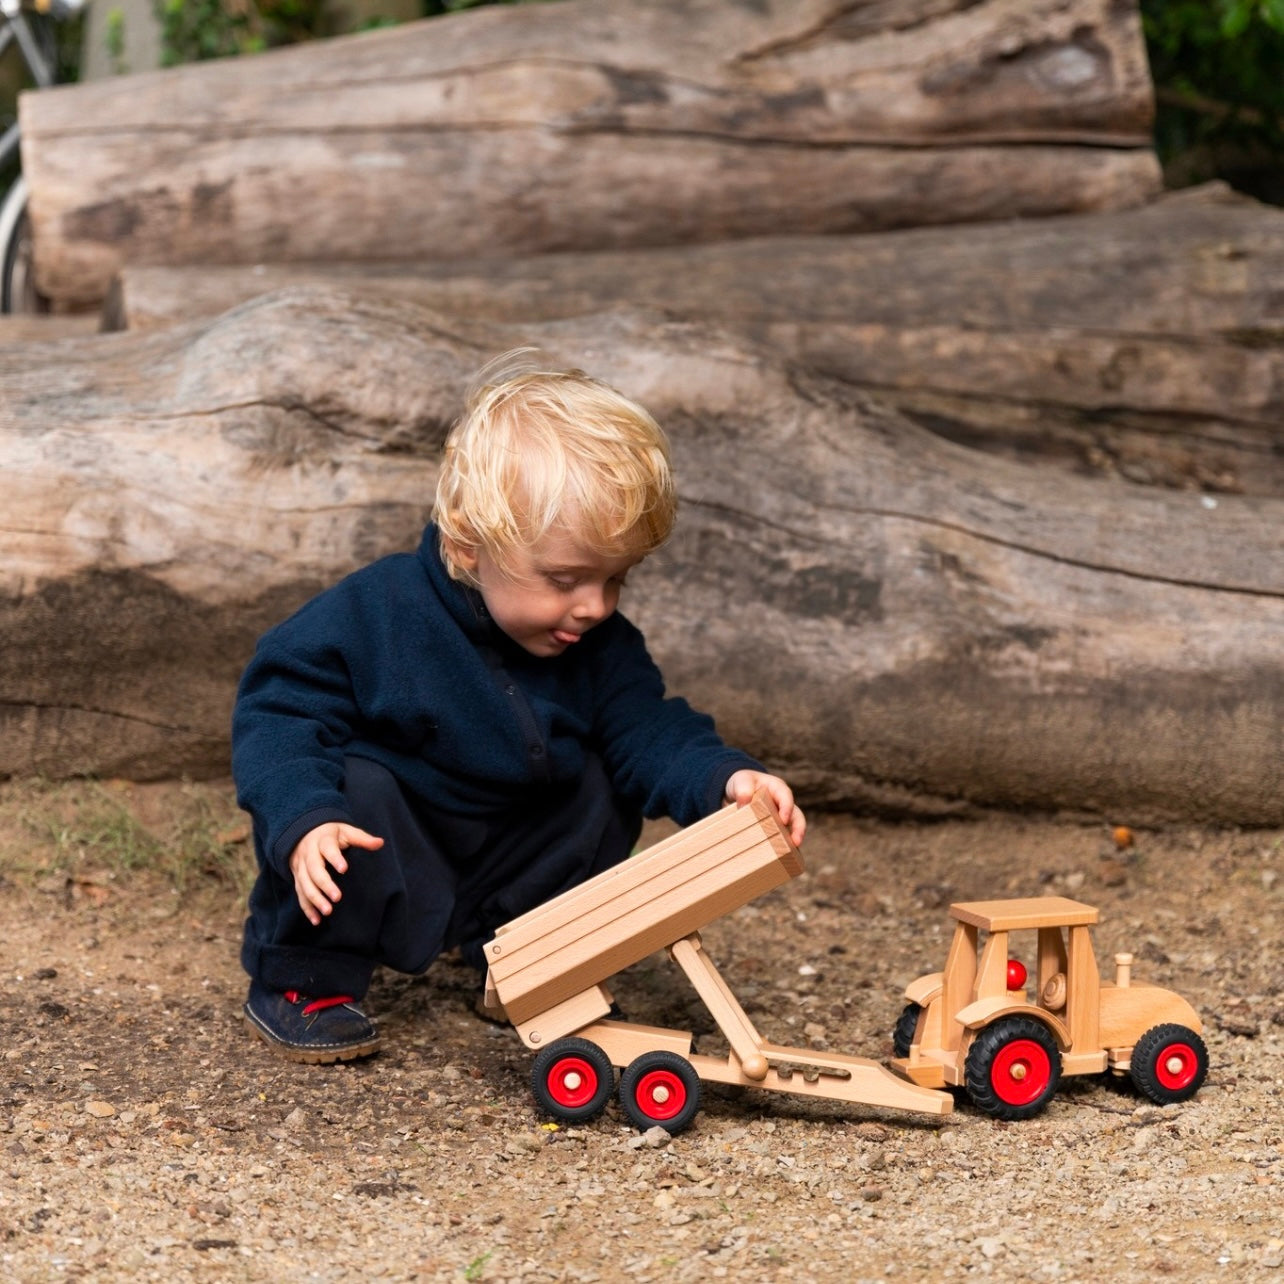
401,664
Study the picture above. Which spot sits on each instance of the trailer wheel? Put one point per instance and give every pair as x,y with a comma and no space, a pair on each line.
903,1031
1013,1068
660,1088
1169,1064
572,1080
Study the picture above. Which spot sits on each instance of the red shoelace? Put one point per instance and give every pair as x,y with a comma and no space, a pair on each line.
318,1005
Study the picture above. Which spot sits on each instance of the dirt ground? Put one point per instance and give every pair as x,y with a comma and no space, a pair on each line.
145,1136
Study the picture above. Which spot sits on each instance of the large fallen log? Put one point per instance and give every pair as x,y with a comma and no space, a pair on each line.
592,124
894,620
1145,343
35,328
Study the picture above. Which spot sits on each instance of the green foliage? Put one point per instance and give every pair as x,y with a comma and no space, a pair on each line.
98,827
432,8
1238,15
475,1270
65,37
194,30
114,36
1220,95
84,827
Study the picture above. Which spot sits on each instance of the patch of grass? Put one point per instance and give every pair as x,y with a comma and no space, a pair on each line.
99,829
476,1268
182,831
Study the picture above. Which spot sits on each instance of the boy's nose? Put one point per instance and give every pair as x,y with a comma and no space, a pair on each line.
591,605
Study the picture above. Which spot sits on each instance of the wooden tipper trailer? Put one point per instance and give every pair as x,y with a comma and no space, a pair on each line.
548,972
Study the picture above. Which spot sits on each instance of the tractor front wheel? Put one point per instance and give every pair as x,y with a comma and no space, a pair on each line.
1013,1068
1169,1064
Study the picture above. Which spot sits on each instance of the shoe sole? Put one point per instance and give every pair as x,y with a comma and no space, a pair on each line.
311,1056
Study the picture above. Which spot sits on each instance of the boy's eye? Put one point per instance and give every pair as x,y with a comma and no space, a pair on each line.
567,583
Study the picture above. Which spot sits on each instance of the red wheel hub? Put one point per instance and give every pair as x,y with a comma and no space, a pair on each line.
1176,1066
1021,1072
661,1094
572,1082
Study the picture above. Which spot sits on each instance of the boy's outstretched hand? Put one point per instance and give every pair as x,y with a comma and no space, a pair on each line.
320,847
744,784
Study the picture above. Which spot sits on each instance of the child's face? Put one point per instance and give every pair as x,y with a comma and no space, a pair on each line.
551,594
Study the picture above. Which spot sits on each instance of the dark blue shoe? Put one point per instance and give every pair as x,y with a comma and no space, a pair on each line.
317,1031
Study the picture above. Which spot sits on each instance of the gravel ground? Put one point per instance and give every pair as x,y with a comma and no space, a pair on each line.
145,1136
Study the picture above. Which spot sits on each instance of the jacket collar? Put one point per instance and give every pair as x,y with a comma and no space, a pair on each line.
463,602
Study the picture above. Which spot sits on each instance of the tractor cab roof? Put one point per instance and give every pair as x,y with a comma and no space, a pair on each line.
1027,912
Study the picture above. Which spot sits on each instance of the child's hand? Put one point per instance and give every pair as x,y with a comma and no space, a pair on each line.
320,847
744,784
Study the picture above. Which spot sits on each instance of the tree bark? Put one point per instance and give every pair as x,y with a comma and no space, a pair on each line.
892,620
36,329
1144,344
594,124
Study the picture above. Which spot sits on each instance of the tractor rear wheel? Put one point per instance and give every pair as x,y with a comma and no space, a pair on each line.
1013,1068
903,1031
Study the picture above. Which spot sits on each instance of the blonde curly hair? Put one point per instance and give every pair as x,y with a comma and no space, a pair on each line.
539,448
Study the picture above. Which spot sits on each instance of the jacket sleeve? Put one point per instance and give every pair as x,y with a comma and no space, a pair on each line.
660,752
295,711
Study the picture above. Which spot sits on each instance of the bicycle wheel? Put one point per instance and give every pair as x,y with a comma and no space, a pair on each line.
18,293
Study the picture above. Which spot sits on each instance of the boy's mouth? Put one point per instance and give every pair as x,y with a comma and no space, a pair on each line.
564,637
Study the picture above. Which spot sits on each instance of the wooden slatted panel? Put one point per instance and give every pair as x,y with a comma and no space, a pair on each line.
669,891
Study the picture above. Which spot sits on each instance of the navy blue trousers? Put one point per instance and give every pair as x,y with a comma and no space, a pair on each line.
436,883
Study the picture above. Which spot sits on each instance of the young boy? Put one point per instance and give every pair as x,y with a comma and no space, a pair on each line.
447,739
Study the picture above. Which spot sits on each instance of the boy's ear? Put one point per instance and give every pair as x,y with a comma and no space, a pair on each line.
462,556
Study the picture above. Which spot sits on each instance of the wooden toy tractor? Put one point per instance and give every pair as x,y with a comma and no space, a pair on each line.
975,1026
548,971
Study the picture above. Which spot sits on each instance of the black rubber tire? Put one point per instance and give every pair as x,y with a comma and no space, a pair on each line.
13,255
572,1101
18,293
1013,1067
1169,1064
903,1031
641,1083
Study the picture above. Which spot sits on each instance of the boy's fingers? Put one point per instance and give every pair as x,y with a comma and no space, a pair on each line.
783,797
799,827
333,855
740,791
351,836
312,880
324,887
790,814
317,892
305,904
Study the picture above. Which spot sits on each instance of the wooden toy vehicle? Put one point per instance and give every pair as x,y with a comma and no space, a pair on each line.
548,969
975,1026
